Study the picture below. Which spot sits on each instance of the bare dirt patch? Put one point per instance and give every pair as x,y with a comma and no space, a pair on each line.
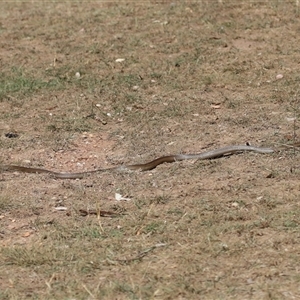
87,85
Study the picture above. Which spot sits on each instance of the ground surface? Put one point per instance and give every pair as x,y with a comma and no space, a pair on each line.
195,76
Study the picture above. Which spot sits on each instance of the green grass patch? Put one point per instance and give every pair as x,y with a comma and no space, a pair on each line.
18,82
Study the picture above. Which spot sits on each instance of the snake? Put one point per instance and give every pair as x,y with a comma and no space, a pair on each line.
211,154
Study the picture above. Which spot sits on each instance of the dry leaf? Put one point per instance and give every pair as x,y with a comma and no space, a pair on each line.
119,197
215,106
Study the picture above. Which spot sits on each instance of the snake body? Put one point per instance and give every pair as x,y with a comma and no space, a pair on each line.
146,166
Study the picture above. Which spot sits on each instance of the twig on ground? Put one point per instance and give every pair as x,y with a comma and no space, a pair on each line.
139,256
101,213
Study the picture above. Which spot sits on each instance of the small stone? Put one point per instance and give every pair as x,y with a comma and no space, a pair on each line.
60,208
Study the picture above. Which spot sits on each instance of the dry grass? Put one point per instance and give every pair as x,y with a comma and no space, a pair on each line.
196,75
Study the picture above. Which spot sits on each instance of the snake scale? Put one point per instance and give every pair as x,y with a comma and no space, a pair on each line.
146,166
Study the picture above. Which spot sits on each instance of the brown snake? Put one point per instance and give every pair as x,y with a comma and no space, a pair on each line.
146,166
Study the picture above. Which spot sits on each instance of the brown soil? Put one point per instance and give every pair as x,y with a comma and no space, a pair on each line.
93,84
